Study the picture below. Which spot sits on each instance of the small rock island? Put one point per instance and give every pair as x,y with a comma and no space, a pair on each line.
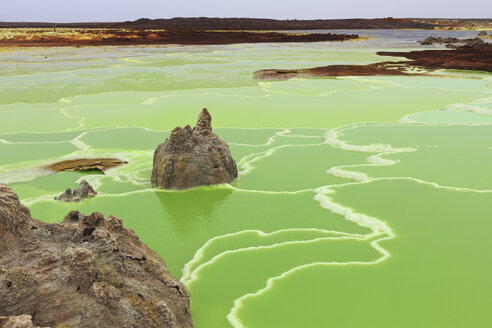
84,190
193,157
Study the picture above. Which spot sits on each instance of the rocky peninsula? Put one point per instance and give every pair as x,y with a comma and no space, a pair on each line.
87,271
193,157
38,37
474,55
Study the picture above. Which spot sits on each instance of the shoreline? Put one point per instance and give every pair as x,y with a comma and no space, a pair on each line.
32,37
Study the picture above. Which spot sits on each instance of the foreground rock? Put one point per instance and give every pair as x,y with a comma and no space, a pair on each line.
84,190
193,157
85,164
21,321
88,271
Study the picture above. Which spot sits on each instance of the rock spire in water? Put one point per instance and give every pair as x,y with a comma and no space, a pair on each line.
193,157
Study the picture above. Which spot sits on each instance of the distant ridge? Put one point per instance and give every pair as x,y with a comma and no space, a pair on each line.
208,23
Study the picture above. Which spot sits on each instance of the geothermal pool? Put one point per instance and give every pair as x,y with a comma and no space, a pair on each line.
360,202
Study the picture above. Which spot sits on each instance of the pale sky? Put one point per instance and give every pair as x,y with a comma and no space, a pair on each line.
121,10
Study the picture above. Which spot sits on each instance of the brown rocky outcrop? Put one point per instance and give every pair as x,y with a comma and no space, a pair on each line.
85,164
88,271
84,190
193,157
331,71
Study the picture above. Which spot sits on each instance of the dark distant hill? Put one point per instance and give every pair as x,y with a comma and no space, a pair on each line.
204,23
207,23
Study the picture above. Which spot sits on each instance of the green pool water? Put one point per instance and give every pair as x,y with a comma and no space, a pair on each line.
360,201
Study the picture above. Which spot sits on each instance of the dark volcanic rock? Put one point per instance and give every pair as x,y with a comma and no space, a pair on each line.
84,190
88,271
193,157
476,44
431,40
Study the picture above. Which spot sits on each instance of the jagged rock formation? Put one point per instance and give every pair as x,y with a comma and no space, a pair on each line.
431,40
85,164
475,44
84,190
455,43
193,157
88,271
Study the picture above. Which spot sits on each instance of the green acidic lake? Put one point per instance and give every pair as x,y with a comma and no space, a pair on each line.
360,202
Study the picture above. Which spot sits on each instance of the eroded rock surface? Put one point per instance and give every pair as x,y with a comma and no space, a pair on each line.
193,157
84,190
20,321
88,271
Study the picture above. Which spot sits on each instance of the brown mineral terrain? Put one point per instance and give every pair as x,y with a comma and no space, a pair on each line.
331,71
28,37
193,157
474,56
87,271
85,164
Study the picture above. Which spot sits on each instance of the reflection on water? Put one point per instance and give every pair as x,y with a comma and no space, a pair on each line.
188,208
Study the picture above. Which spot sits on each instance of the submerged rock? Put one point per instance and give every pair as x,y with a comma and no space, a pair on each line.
193,157
84,190
88,271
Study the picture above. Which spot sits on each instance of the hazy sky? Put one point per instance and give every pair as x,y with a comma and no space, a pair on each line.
121,10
